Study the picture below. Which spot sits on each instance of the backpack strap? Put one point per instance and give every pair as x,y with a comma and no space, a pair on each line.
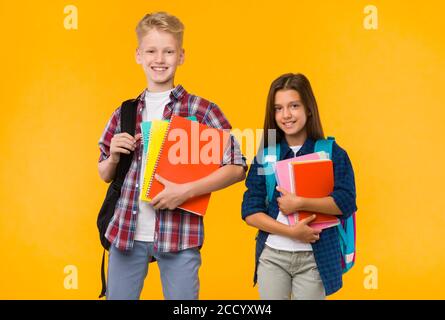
102,277
128,125
271,156
325,145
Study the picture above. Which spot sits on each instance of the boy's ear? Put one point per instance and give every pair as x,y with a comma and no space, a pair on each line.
182,57
138,56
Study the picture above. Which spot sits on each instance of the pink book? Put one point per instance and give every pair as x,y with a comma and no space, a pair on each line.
324,225
283,180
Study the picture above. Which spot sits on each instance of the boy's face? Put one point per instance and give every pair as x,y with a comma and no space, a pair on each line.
159,53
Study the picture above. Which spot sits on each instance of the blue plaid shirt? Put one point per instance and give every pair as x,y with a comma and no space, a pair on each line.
326,250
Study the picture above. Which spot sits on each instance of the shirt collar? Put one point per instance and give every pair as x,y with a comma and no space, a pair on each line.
177,93
307,147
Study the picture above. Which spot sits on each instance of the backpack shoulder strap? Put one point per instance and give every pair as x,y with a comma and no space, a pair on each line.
128,125
325,145
271,156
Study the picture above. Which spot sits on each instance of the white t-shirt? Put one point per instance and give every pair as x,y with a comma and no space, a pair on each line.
154,109
284,243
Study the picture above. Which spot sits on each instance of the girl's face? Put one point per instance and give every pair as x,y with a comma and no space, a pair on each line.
290,116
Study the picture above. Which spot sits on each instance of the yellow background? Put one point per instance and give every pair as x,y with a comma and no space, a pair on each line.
380,93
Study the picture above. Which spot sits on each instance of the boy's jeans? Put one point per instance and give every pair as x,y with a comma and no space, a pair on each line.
127,272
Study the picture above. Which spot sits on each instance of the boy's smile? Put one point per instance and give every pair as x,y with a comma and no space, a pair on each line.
159,69
159,53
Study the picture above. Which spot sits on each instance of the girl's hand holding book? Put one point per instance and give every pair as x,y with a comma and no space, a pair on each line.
289,202
301,231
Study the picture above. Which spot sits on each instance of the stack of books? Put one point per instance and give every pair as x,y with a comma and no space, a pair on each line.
181,150
309,176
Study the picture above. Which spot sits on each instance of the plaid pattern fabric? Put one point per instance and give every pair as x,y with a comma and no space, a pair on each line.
177,229
326,250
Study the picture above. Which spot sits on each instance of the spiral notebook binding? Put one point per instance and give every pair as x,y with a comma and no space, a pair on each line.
157,160
144,154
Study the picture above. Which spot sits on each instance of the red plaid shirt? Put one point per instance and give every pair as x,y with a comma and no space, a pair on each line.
177,229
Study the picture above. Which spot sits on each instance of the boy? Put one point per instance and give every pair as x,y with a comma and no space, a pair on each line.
141,232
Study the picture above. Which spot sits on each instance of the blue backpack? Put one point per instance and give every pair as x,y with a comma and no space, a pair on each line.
346,229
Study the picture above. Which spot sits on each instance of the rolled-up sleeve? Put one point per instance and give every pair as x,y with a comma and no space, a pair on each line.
344,193
112,128
232,153
254,199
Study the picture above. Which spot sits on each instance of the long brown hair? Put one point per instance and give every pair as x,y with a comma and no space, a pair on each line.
301,84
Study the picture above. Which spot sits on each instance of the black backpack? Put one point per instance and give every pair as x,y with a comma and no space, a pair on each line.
128,124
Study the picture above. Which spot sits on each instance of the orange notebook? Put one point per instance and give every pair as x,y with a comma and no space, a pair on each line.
313,179
190,151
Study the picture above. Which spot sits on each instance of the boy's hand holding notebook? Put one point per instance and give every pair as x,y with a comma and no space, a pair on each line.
173,195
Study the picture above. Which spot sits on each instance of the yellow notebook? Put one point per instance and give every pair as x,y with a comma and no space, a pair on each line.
157,133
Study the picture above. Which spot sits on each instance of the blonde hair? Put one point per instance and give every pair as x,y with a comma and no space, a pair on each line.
160,21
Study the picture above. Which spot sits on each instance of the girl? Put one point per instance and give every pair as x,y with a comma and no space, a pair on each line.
297,261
